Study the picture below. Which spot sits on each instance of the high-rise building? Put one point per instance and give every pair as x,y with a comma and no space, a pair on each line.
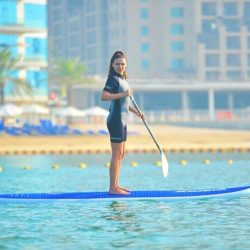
194,39
23,29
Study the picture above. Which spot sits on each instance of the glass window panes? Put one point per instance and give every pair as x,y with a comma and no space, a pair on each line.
232,24
209,26
35,15
177,46
176,12
230,9
212,42
208,9
212,75
177,29
234,74
177,63
144,13
233,60
233,42
8,12
247,9
145,47
212,60
145,64
144,30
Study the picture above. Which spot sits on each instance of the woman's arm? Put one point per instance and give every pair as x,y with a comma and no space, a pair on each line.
135,111
106,96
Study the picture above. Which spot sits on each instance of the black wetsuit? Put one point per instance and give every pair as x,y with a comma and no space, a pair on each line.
118,112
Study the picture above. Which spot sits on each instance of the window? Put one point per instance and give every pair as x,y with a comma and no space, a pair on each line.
212,75
232,25
38,81
233,60
90,5
91,37
177,46
233,42
234,74
212,60
177,63
176,12
212,42
177,29
36,47
145,64
247,23
35,15
247,9
230,9
9,40
208,9
8,11
91,51
144,30
144,13
91,21
145,47
209,26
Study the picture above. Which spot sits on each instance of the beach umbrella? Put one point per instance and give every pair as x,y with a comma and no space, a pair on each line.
35,109
96,111
10,109
70,112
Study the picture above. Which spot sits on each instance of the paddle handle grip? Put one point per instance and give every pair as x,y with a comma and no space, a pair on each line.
145,123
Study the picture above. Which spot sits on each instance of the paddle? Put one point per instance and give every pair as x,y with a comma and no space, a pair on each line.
164,162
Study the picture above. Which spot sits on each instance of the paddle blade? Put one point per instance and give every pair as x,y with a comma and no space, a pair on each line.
164,164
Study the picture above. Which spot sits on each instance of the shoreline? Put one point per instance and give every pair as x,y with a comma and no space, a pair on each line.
171,139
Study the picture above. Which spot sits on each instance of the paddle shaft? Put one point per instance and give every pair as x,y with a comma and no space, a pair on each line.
146,124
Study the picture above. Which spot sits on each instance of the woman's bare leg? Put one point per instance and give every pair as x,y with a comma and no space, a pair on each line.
123,153
114,169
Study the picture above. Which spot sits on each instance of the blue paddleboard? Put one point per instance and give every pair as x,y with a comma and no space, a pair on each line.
134,195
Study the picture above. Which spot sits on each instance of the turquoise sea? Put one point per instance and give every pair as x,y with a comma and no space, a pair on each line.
216,223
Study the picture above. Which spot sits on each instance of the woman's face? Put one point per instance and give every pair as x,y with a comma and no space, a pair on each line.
119,65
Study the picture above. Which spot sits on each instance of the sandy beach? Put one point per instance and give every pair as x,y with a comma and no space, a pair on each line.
175,139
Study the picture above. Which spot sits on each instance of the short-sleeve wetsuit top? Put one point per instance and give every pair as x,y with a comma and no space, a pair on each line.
118,112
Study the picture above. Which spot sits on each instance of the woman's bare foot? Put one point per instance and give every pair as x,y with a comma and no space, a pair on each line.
124,189
118,191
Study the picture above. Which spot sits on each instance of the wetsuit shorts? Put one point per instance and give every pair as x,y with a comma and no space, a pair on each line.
118,132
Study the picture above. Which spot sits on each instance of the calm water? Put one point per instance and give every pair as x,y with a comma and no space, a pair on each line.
191,224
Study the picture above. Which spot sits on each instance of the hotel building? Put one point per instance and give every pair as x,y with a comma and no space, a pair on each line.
23,29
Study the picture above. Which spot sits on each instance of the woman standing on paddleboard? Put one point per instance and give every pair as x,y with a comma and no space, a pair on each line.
117,91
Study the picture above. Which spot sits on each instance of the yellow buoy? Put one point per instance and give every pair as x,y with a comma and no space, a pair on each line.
206,161
1,169
82,165
134,164
230,162
27,167
183,162
107,164
55,166
158,163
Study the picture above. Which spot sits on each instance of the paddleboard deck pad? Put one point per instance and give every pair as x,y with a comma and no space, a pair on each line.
136,195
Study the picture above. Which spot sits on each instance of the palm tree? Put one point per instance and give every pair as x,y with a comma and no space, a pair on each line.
8,65
67,73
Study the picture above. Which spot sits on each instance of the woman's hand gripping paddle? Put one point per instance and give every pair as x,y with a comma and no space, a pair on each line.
164,162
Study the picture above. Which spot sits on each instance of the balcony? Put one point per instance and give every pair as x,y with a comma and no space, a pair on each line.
21,26
37,62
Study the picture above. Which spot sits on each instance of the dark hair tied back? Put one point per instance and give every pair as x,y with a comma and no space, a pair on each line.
117,54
